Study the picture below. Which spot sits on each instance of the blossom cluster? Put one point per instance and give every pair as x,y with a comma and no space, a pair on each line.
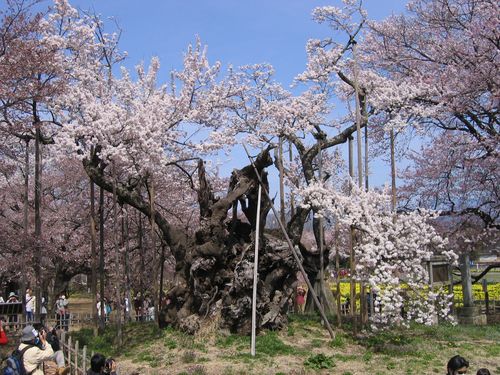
391,251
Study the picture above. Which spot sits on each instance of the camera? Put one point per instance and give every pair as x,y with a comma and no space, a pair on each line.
108,365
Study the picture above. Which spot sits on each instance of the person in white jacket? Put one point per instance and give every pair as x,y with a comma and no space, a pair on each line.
39,351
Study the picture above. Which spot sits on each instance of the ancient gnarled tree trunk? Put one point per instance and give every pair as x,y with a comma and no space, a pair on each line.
214,268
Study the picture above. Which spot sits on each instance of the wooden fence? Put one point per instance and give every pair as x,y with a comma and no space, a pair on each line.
77,359
17,321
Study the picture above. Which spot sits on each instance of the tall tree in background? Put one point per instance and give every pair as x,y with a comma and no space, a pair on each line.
443,56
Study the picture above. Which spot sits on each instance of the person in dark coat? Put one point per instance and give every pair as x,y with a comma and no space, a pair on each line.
99,365
457,365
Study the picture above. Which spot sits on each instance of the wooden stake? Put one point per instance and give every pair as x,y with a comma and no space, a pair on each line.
393,172
337,267
292,197
93,247
153,246
118,272
281,179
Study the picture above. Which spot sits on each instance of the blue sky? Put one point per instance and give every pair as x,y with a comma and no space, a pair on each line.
237,32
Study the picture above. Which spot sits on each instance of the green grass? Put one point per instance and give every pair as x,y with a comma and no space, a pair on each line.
316,343
270,344
345,357
415,351
319,361
337,342
232,340
267,344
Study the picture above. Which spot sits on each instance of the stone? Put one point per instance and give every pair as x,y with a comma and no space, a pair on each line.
471,315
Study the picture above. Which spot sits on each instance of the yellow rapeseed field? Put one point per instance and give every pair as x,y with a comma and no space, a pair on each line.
479,295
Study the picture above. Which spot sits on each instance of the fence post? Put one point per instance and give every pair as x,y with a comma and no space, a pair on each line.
84,359
76,356
69,355
486,295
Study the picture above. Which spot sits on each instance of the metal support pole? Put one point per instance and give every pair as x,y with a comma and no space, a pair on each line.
255,273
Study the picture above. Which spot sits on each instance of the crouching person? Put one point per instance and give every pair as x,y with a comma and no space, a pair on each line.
40,350
58,356
37,350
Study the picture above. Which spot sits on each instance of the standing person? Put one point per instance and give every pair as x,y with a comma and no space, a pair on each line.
126,308
61,307
301,299
138,306
36,350
67,314
43,311
3,336
98,307
4,340
107,309
145,308
457,365
30,305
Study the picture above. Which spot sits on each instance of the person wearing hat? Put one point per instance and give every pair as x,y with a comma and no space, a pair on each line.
12,298
13,317
38,352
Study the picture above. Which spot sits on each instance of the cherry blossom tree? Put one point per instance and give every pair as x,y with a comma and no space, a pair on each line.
145,141
443,58
436,68
133,135
390,254
28,85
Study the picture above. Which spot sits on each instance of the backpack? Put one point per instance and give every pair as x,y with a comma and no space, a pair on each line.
14,363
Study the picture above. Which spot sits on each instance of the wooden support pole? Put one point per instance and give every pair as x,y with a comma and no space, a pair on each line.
292,197
353,284
337,267
393,171
292,249
69,352
281,179
77,347
84,358
486,296
322,298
